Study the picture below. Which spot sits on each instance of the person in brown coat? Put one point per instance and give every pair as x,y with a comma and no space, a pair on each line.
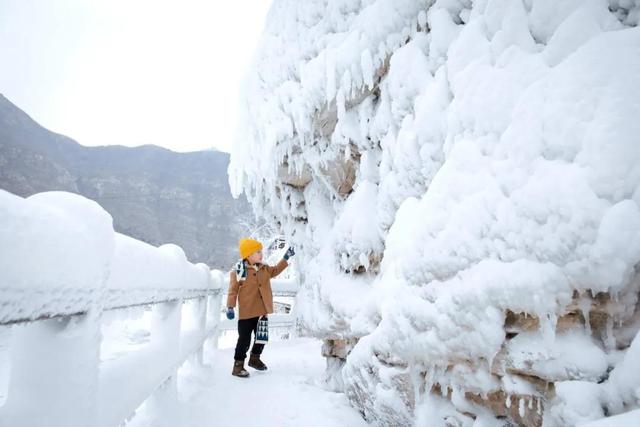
250,288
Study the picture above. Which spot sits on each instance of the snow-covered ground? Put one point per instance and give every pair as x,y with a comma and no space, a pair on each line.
628,419
289,393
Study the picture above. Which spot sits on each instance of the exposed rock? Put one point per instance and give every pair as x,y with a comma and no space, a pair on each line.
394,400
338,348
291,178
340,174
524,410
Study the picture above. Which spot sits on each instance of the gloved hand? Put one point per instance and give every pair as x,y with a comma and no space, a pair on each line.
230,313
290,252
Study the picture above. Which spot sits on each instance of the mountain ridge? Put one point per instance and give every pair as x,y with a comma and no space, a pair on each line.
153,194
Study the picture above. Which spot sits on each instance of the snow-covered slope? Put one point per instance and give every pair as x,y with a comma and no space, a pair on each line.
462,180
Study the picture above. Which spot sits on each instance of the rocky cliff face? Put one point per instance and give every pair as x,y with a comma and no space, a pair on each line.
461,180
153,194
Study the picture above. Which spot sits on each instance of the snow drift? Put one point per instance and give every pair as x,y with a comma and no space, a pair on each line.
462,180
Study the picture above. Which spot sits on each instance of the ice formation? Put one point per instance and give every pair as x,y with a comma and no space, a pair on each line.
462,181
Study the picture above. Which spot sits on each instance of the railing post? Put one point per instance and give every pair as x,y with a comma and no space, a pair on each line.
199,314
203,305
165,327
54,373
163,404
213,316
165,330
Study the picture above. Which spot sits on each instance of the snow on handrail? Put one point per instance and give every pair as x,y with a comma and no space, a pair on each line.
62,268
59,255
20,306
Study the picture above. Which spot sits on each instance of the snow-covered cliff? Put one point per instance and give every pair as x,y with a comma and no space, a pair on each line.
462,181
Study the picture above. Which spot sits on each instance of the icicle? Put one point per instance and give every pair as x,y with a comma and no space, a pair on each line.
366,62
507,402
614,295
521,407
422,20
610,341
531,403
331,79
429,379
539,405
585,308
340,104
417,380
491,359
548,327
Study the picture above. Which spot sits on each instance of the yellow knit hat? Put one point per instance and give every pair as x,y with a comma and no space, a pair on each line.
248,246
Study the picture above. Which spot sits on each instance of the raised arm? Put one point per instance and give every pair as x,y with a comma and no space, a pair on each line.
278,268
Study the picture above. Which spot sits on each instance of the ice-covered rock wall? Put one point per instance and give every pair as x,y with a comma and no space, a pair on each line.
462,181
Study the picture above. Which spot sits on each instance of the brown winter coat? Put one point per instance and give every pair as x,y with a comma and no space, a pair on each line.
253,294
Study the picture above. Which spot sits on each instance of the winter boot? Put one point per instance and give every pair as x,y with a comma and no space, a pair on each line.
256,363
238,369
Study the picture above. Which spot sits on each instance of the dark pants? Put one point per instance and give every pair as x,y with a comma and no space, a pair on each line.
245,327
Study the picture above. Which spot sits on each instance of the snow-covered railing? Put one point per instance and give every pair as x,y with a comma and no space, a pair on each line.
17,306
65,279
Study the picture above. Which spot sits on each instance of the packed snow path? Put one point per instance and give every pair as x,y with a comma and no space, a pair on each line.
289,393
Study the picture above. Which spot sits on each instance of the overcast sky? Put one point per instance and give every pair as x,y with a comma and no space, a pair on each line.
130,72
